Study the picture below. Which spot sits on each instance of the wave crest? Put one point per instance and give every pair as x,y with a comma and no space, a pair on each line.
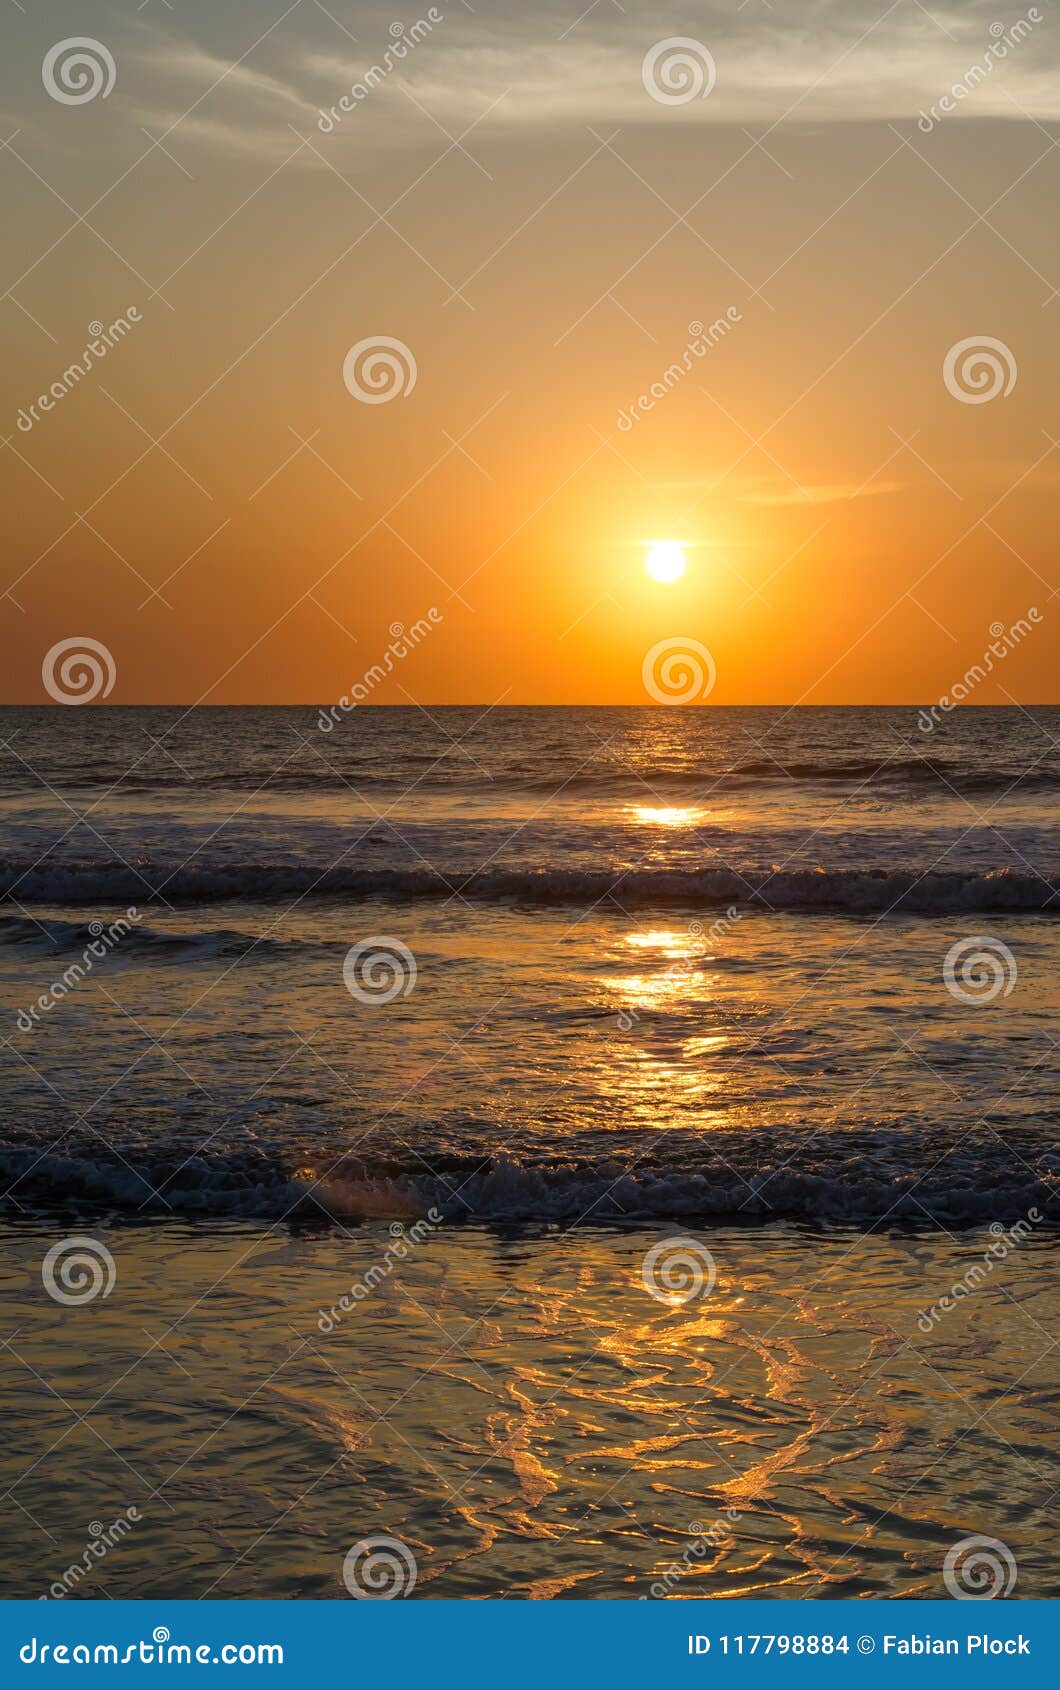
845,890
843,1179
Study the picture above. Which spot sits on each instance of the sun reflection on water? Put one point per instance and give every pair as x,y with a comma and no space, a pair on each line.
666,815
667,940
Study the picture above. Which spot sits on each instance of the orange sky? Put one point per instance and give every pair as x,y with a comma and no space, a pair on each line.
854,528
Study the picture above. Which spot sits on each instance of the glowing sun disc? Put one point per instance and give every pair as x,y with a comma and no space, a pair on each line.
665,560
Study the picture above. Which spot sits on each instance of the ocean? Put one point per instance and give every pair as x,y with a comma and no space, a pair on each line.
649,1083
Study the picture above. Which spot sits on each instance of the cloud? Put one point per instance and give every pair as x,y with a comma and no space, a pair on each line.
846,62
830,494
204,70
544,67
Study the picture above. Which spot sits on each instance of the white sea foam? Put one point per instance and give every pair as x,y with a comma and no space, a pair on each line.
886,1178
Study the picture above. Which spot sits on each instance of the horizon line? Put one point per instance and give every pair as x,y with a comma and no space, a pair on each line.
556,704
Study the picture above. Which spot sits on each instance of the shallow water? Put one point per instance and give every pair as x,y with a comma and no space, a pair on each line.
524,1416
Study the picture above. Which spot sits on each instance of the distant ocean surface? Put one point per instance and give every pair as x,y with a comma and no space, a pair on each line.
666,965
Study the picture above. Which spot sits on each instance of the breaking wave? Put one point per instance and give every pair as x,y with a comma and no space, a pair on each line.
849,891
877,1178
562,772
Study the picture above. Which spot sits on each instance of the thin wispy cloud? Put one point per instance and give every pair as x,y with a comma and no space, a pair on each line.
837,62
830,494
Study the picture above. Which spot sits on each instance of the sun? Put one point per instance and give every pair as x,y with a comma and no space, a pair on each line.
665,560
